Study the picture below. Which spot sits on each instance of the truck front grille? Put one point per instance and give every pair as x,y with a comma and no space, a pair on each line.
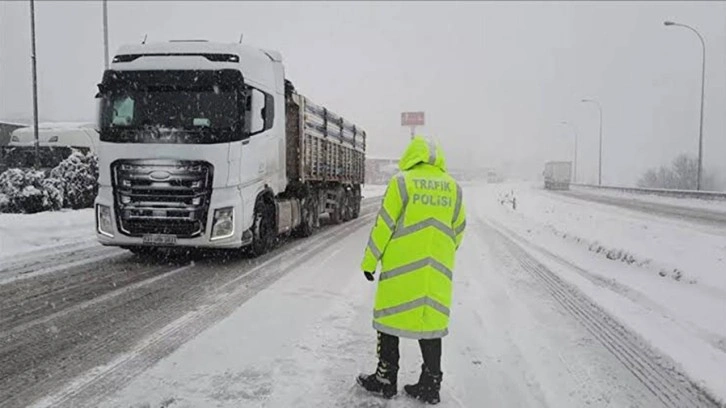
162,196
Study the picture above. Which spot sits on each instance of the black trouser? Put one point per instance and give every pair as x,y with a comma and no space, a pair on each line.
430,351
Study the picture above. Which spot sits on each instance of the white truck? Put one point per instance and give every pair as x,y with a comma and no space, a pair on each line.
207,145
557,175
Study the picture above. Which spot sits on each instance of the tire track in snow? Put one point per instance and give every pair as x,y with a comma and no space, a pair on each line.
93,387
655,371
28,268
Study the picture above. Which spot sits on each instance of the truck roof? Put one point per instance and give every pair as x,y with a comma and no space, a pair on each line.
254,63
58,126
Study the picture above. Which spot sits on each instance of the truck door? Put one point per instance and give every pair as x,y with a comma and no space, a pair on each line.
255,148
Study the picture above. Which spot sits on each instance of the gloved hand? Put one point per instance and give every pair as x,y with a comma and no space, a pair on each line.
369,276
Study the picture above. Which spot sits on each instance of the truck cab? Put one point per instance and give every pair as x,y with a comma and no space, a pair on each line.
195,148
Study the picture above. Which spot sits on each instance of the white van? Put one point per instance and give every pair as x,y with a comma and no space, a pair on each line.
82,136
56,140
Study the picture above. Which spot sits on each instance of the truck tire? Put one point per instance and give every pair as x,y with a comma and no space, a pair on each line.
308,221
263,228
347,205
356,203
336,216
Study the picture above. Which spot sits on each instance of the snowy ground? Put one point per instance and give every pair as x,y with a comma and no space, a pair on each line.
664,278
301,341
39,233
560,303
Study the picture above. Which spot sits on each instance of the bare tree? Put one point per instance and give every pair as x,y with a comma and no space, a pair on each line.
681,175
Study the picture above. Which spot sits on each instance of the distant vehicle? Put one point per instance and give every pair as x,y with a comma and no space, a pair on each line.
208,145
6,128
493,177
55,140
557,175
380,170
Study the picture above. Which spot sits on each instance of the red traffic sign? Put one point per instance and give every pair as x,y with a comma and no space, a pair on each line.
412,119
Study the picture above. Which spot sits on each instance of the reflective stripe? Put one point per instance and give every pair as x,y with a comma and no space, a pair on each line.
413,304
387,219
374,249
402,189
461,228
402,231
409,334
414,266
432,152
457,209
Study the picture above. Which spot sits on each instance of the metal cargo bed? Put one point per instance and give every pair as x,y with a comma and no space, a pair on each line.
321,145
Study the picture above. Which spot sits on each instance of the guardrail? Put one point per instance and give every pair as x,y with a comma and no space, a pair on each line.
703,195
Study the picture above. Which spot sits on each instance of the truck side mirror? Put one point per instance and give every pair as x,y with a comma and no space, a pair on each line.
260,111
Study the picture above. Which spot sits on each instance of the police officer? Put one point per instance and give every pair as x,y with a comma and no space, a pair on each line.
417,232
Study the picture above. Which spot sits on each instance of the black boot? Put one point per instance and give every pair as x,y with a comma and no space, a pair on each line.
428,387
383,381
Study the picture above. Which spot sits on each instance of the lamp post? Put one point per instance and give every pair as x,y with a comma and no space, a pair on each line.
599,161
703,82
105,34
574,160
35,84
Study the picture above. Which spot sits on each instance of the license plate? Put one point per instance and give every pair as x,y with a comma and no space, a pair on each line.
160,239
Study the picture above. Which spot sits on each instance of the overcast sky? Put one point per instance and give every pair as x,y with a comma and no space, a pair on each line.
495,79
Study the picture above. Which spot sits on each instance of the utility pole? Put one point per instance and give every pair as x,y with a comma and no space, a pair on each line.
703,86
35,83
105,34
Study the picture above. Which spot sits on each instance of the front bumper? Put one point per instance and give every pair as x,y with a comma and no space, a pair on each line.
220,198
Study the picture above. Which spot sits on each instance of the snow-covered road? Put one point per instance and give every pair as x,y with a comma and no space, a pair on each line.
294,328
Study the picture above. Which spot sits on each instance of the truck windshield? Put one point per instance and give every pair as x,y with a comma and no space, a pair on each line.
139,109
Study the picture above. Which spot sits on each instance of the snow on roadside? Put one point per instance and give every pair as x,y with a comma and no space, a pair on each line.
664,279
718,205
23,233
373,190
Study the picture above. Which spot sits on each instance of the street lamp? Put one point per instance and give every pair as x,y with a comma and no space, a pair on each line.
599,161
703,81
33,58
105,34
574,160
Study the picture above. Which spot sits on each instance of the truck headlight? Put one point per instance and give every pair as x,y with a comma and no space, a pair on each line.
104,222
223,224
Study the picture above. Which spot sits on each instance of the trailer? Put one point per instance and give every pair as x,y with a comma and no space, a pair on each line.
557,175
208,145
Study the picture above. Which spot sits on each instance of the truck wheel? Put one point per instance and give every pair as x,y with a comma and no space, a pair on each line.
336,217
263,229
308,217
356,203
347,205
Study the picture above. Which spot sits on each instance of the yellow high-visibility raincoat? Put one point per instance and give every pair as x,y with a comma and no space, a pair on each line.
417,232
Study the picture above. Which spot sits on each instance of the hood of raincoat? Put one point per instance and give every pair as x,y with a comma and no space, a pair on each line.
422,150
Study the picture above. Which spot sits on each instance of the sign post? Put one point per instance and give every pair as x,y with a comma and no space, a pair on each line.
412,119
